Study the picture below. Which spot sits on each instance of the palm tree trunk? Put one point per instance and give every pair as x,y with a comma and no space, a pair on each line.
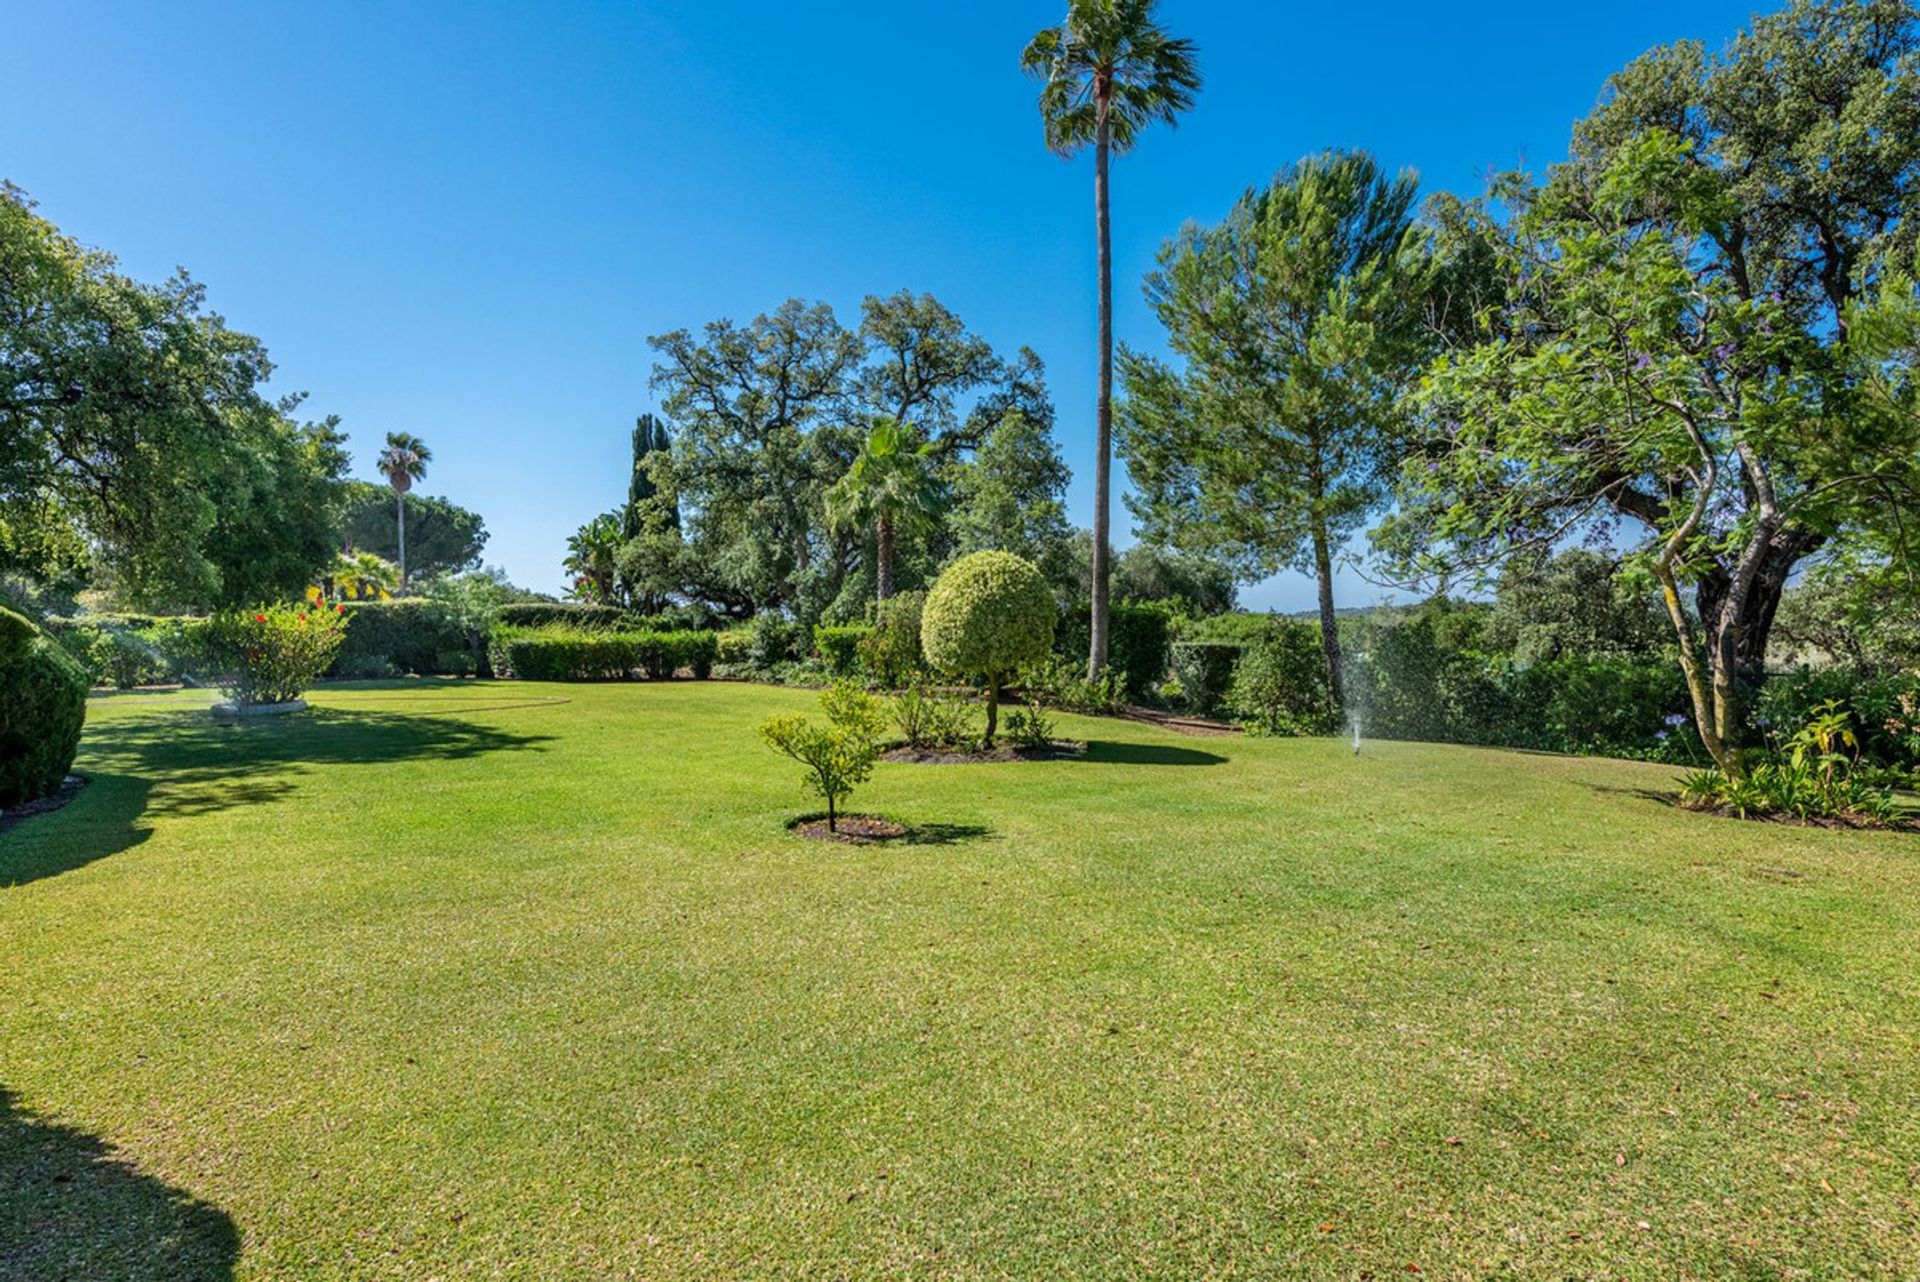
1329,626
883,557
1103,413
400,522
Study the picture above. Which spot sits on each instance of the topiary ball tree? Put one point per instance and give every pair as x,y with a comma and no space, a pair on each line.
988,614
43,703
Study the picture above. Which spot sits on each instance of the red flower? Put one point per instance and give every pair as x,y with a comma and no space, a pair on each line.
259,618
339,609
303,618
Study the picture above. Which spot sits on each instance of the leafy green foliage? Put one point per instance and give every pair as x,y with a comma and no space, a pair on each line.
891,490
272,654
1205,671
838,756
43,704
136,441
1140,636
568,614
560,653
392,638
1575,603
989,613
929,719
1280,683
840,646
1706,337
1297,321
442,536
890,653
1815,776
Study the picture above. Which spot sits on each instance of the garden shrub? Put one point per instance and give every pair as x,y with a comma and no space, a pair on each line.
929,719
1139,637
775,640
122,650
272,654
989,613
1814,774
891,652
734,647
578,654
1280,682
839,755
402,636
839,646
1884,709
1205,671
43,704
571,614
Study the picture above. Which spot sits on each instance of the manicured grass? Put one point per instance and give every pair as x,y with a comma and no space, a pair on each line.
529,981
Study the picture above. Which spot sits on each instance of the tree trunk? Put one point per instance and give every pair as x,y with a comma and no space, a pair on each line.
833,823
1103,412
883,558
1329,625
993,710
400,523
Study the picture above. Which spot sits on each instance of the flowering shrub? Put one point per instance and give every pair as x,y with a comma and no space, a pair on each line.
272,654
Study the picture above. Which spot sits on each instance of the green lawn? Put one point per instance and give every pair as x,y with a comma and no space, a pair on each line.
474,980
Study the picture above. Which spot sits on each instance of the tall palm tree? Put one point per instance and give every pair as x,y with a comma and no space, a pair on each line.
1107,72
892,489
403,462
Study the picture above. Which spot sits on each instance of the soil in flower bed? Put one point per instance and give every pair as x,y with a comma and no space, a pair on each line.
67,791
855,830
1055,751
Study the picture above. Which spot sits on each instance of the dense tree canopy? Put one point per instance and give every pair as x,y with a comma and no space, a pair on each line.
442,536
1707,342
770,416
137,447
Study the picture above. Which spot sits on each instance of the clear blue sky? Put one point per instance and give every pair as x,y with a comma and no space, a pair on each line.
464,220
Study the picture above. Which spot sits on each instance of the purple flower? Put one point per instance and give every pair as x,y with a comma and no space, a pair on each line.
1659,736
1642,361
1676,718
1724,352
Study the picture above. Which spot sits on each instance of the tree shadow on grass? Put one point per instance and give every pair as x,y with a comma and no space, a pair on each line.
179,764
71,1208
938,834
1107,752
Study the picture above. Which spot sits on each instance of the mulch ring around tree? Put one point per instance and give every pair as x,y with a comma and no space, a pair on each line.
855,830
67,791
1058,750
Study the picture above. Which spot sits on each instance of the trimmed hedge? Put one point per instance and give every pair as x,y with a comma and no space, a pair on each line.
840,646
1205,670
1139,640
554,614
575,654
43,705
392,638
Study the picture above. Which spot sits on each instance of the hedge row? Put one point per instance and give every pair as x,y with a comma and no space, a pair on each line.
577,654
600,618
393,638
1138,642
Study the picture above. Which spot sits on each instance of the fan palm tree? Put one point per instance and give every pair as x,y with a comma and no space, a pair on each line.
1107,72
403,462
593,551
892,489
